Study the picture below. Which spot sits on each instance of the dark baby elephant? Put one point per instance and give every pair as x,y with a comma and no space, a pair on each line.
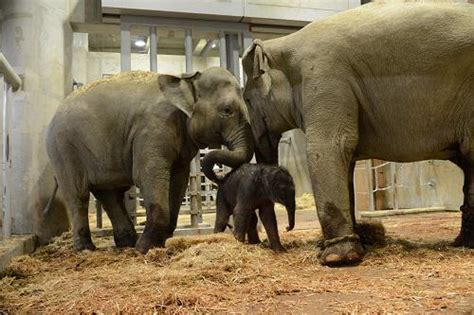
143,129
251,187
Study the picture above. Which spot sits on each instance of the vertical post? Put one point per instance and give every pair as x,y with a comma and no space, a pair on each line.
98,209
247,42
153,49
195,176
125,48
420,183
370,184
7,214
222,50
393,182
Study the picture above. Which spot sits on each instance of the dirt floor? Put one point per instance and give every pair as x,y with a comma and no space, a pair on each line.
415,272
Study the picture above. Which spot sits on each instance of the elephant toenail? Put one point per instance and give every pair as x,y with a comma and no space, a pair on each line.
332,258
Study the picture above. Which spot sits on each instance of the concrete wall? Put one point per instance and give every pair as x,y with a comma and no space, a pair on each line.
37,41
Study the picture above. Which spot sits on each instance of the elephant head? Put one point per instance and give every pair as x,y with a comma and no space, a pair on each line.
269,98
216,112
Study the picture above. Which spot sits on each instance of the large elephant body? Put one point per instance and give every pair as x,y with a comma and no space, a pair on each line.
393,82
143,129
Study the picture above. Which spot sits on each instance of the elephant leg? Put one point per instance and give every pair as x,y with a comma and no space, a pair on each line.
268,217
241,222
78,204
330,165
124,231
179,183
252,233
466,234
155,190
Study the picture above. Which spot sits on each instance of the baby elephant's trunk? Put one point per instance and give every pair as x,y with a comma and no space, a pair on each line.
291,209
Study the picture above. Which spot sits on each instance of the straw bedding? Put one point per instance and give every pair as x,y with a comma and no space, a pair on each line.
217,274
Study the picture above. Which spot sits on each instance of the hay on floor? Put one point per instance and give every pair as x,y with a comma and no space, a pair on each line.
217,274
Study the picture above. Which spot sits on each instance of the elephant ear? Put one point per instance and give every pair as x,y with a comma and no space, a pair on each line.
255,61
180,91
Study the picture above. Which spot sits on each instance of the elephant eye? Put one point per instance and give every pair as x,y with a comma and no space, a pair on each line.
226,111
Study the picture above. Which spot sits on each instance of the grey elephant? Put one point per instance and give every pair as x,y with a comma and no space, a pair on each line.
248,188
392,82
143,129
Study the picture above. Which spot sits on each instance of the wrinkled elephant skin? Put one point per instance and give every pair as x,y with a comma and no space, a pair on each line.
143,129
386,81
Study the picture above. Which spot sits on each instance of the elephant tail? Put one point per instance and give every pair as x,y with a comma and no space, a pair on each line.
50,201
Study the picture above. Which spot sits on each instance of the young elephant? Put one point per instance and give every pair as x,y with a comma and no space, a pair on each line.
251,187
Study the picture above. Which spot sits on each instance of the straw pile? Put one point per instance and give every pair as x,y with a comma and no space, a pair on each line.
217,274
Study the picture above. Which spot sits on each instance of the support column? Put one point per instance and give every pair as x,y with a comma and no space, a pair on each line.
153,49
222,50
195,171
370,183
125,48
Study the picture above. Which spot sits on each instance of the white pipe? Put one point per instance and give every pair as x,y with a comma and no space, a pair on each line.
9,75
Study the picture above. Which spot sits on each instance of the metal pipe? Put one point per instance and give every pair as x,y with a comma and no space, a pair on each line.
195,169
188,50
370,188
125,49
153,49
9,75
207,47
247,42
222,50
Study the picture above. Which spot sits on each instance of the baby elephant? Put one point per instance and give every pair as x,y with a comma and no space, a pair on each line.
251,187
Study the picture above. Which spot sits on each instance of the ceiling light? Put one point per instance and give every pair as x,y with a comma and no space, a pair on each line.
140,43
214,45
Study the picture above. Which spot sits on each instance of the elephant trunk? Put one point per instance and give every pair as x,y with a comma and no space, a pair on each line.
291,209
240,144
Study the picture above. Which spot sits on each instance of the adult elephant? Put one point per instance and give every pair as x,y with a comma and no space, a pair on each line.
392,82
143,129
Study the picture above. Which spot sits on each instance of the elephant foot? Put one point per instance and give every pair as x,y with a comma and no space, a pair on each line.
125,239
147,241
254,241
466,235
342,251
278,248
240,237
81,245
253,238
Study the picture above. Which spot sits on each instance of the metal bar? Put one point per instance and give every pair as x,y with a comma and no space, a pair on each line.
420,182
98,210
222,50
185,23
393,183
153,49
194,178
370,184
9,75
188,50
7,214
207,47
234,58
247,42
125,49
